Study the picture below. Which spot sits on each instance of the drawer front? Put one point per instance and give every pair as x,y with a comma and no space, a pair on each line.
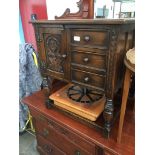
51,130
70,135
87,78
48,147
94,38
60,140
89,59
52,137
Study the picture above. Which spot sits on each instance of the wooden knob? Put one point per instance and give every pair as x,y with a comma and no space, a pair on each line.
47,148
64,55
85,59
86,38
45,132
86,79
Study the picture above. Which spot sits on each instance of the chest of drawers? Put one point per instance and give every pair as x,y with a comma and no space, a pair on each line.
53,137
87,52
59,134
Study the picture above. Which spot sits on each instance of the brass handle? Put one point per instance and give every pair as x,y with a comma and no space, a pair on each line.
64,55
85,59
87,38
77,152
86,79
47,148
45,132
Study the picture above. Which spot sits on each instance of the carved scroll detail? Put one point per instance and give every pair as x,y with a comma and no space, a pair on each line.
54,59
86,10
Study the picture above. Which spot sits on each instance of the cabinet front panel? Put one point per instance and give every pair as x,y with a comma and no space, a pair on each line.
53,50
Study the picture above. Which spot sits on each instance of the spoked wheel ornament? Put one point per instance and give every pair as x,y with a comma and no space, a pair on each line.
83,95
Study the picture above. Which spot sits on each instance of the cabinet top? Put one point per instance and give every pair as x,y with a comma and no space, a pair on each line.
86,21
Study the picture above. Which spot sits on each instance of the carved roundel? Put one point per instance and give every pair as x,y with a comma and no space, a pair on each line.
53,45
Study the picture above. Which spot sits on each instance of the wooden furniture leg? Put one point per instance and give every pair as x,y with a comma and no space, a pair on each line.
124,102
108,116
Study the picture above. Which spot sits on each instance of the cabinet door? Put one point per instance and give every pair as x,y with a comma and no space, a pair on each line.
53,55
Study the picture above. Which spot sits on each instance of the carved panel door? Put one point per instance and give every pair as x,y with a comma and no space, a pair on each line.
53,52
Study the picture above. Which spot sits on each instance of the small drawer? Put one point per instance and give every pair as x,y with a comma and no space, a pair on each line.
92,38
89,59
87,78
48,148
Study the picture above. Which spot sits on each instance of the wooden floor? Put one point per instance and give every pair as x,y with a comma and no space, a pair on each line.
127,145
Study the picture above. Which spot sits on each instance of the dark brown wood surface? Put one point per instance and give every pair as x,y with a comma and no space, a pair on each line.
88,53
110,146
87,21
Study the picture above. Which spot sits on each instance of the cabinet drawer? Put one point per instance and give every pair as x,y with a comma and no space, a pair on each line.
89,59
70,135
63,139
48,147
42,123
94,38
88,79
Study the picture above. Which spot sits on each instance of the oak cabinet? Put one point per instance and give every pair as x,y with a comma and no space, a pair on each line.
86,52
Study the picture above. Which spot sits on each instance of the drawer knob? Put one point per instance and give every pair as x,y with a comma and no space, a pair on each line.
47,148
86,79
45,132
86,38
64,56
85,59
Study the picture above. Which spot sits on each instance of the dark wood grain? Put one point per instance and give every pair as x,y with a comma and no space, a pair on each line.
88,53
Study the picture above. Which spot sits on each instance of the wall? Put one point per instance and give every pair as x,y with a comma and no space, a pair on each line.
28,7
21,33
